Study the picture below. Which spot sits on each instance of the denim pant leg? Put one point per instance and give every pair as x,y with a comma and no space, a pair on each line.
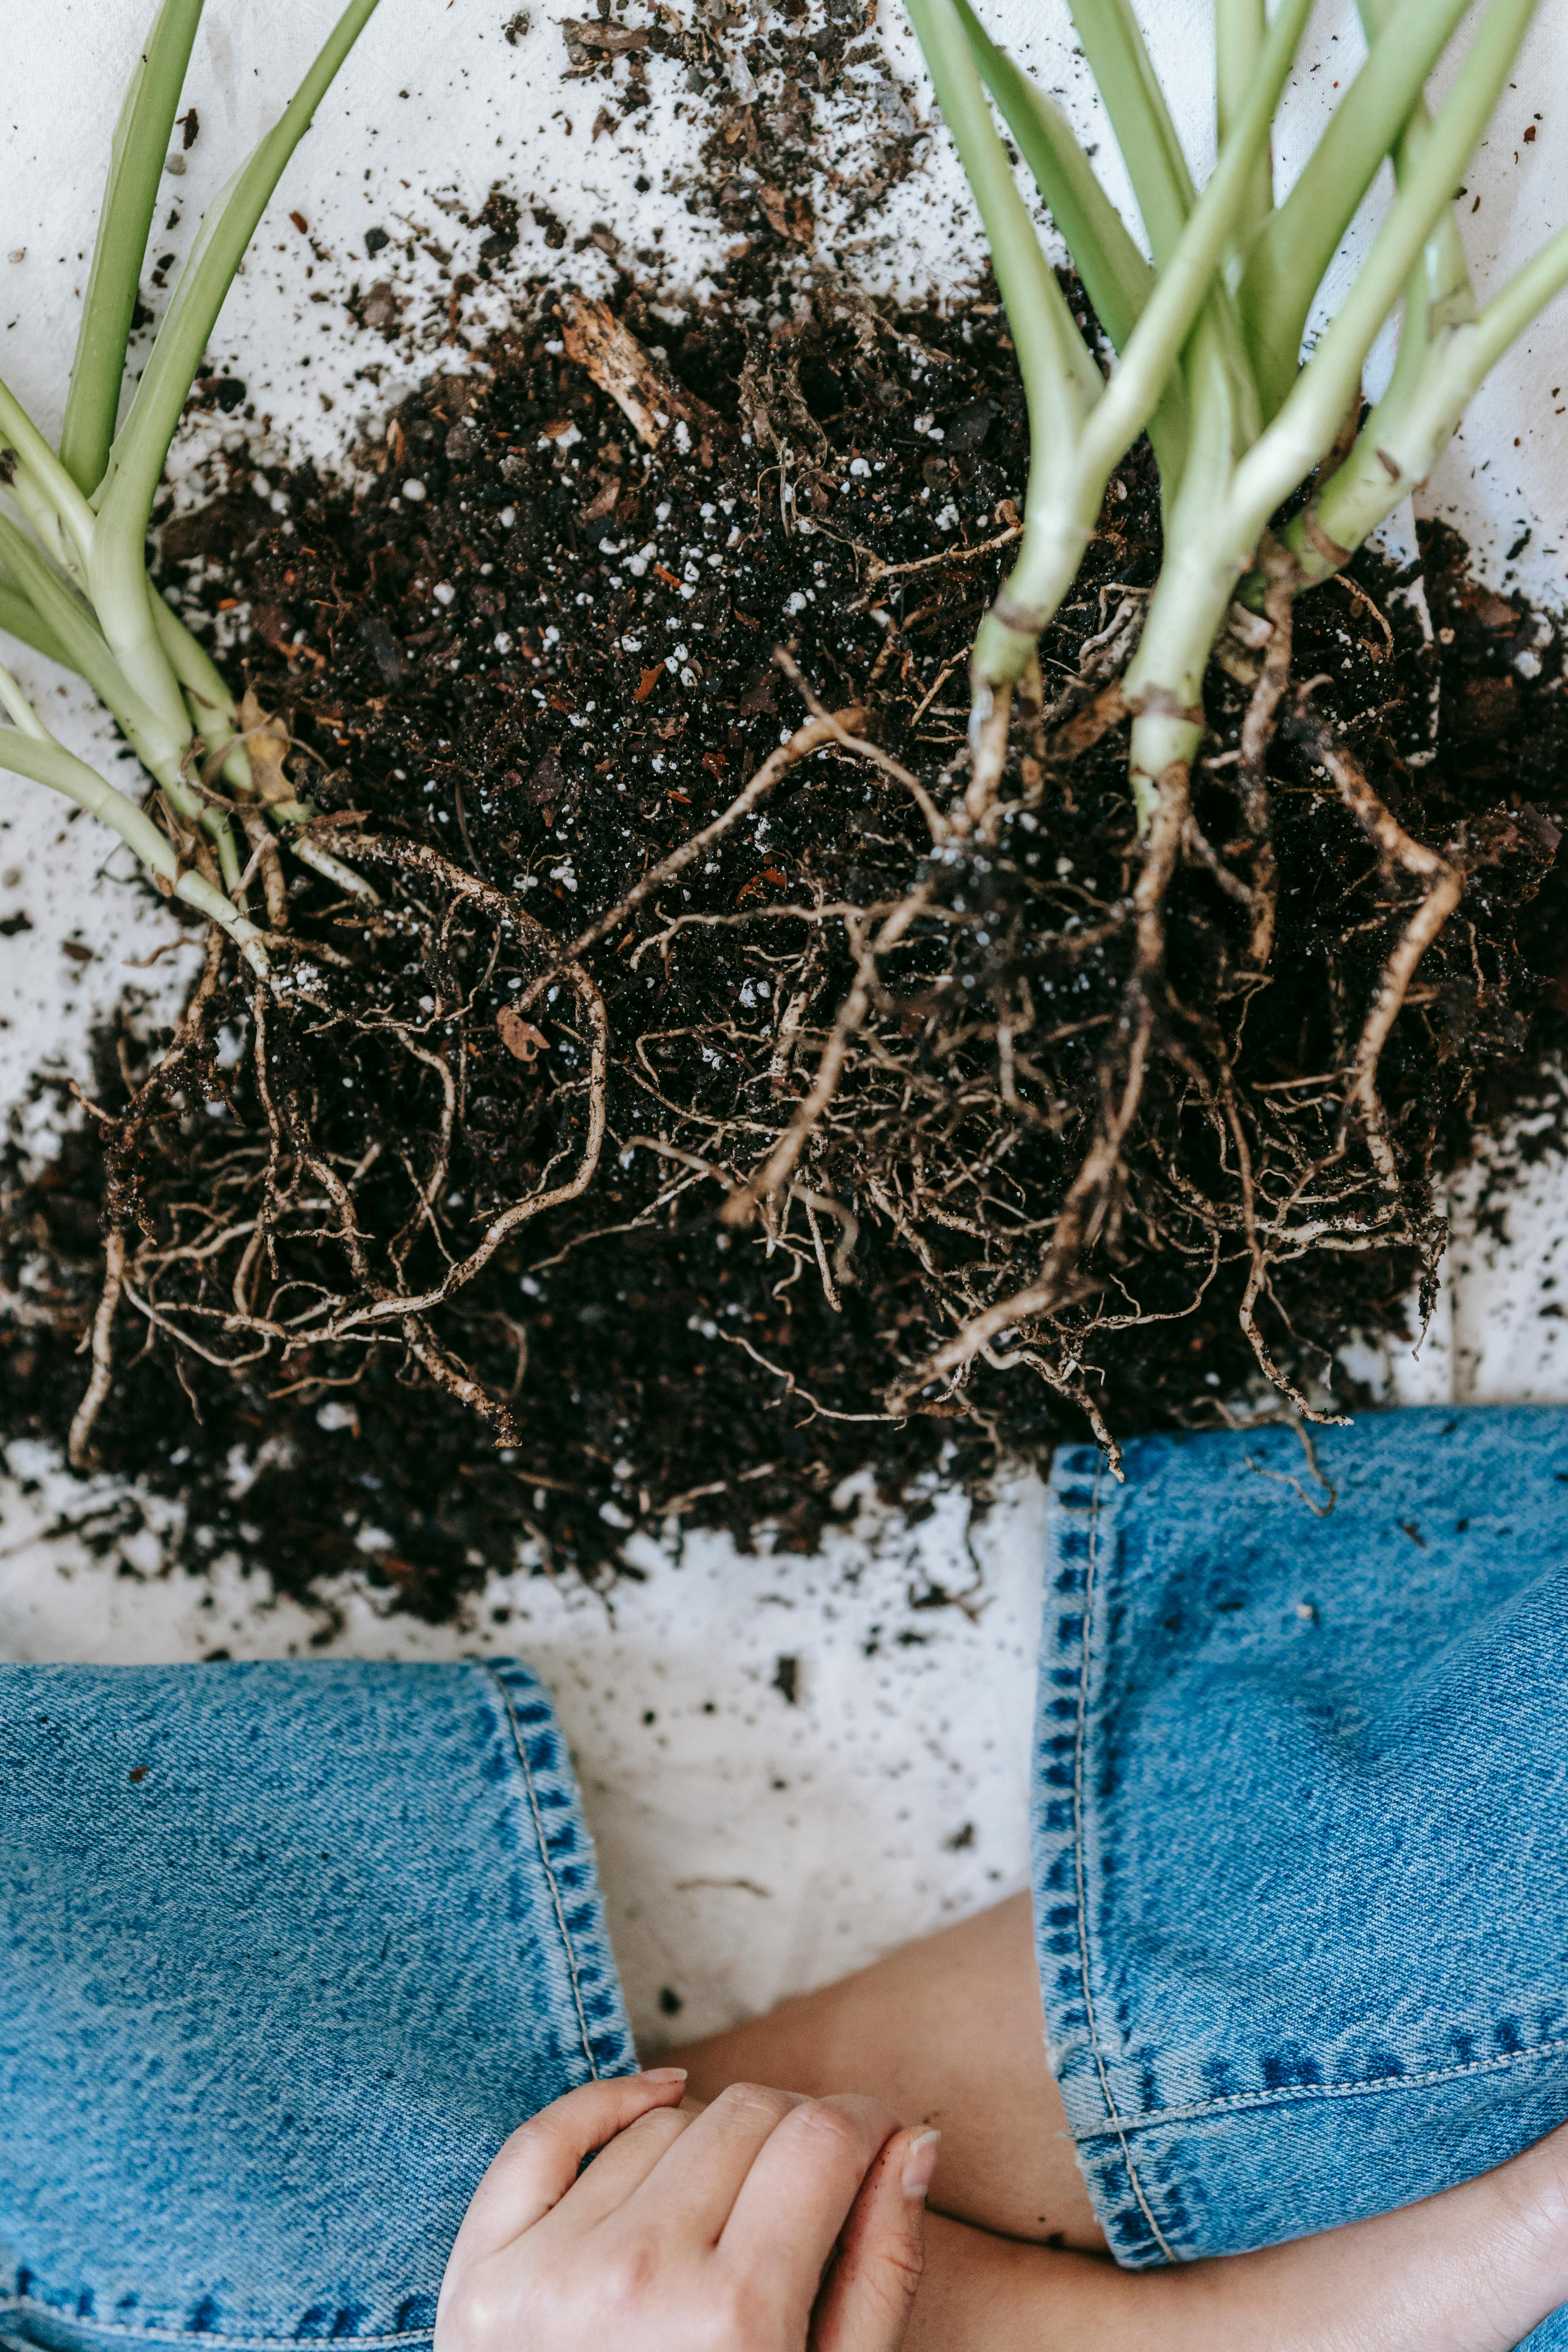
286,1951
1300,1873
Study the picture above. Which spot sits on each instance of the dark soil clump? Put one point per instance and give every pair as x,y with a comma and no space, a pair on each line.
531,652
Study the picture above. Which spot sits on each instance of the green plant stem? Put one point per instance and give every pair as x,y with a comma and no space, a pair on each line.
68,616
136,461
1064,516
1305,426
1220,531
1286,264
1240,27
1059,377
116,557
45,761
1165,681
1116,278
130,197
159,737
1363,492
1407,434
1140,120
18,619
41,486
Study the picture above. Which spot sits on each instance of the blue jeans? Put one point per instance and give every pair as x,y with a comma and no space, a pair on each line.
1301,1796
286,1951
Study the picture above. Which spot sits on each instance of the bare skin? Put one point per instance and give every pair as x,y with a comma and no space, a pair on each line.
950,2031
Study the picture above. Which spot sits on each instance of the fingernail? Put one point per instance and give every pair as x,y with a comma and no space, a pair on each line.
920,2163
664,2073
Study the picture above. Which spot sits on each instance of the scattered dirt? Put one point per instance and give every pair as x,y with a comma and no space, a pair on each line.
526,657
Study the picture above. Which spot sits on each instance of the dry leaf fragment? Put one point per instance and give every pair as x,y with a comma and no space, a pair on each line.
610,40
267,741
520,1036
619,364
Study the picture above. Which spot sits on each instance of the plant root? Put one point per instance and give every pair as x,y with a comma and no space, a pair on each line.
79,1447
1442,883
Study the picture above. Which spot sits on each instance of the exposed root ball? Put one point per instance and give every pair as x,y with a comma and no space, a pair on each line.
743,1078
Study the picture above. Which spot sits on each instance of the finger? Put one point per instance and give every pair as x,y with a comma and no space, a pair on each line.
540,2162
698,2179
620,2170
866,2304
798,2194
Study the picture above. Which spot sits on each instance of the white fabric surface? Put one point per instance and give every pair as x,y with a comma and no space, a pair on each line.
849,1810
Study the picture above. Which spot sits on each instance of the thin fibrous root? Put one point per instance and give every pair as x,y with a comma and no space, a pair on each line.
421,857
830,728
880,570
1397,851
1092,1188
79,1448
742,1206
1073,1390
454,1377
1282,580
936,824
1257,1272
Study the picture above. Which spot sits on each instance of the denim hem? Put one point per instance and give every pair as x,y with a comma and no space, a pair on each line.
1293,2093
1298,1779
566,1851
119,2333
511,1994
1074,1530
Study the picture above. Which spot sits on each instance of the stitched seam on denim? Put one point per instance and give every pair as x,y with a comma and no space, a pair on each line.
25,2303
544,1858
1105,2089
1292,2095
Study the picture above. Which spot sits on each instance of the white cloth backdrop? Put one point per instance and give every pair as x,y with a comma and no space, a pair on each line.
752,1846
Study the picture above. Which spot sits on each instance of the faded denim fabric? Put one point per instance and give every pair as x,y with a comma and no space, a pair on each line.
286,1951
1301,1819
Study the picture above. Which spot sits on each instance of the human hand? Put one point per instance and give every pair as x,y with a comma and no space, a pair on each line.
706,2233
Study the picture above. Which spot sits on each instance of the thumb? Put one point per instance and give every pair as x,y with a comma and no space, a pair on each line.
866,2304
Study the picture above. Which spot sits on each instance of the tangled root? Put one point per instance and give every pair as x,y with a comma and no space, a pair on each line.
1038,1089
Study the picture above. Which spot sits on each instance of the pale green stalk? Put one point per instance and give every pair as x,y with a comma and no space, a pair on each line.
82,646
1305,426
1199,577
1287,261
1116,278
1050,559
18,619
116,574
1240,27
1409,429
1133,100
1362,493
124,220
27,748
138,655
43,490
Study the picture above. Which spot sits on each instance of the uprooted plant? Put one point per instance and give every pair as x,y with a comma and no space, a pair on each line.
921,1056
1208,337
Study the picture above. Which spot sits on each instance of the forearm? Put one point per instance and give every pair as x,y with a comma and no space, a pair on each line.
1472,2270
983,2294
